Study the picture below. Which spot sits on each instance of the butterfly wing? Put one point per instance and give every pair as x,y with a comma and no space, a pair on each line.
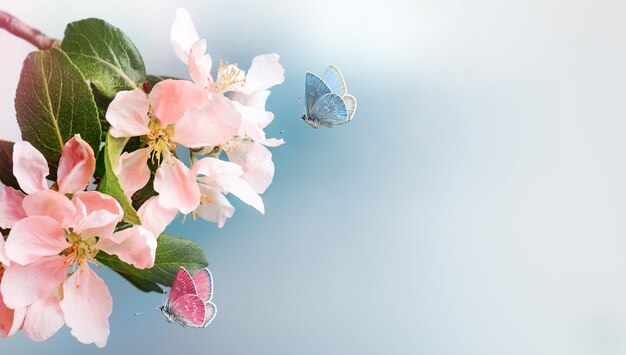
330,110
334,80
314,89
350,105
188,310
183,285
204,284
209,314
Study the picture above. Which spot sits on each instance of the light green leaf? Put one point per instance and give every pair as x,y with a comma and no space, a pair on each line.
105,55
110,184
53,103
171,254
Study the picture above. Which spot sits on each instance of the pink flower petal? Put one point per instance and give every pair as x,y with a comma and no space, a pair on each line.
256,161
171,98
212,124
264,73
97,215
87,305
177,186
34,238
138,247
51,204
200,64
10,320
156,217
23,285
29,167
11,209
183,34
133,171
44,318
241,189
128,114
76,166
216,209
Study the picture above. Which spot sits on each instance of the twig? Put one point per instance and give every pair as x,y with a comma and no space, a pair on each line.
18,28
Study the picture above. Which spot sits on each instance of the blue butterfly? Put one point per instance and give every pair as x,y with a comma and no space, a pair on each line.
327,100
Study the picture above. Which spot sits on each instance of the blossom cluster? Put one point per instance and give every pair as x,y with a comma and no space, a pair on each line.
56,224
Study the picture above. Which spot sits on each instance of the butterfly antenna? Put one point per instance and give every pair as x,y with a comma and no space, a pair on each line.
152,309
138,313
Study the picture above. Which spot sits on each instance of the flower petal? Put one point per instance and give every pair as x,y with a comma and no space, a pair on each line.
98,214
253,121
264,73
18,320
171,98
216,208
11,209
76,166
256,161
33,238
51,204
87,305
128,114
44,318
213,168
212,124
200,64
10,320
29,167
138,247
177,186
156,217
133,171
256,99
241,189
183,34
23,285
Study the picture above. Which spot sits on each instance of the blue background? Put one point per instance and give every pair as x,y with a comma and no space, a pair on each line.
475,205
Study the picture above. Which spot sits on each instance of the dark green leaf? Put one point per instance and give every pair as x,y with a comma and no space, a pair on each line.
171,254
110,184
106,56
53,103
6,165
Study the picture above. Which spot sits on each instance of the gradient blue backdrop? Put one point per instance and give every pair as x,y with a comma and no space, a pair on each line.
475,205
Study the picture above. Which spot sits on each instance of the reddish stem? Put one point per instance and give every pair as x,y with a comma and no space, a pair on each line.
18,28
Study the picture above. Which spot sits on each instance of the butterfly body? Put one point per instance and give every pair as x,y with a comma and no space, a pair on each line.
189,303
327,100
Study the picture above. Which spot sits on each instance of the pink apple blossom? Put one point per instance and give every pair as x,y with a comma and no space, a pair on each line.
176,112
248,92
215,178
59,234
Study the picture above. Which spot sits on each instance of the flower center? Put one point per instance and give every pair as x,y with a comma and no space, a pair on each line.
229,78
80,251
160,143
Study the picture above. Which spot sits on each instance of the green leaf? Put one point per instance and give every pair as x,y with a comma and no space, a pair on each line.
53,103
6,165
171,254
110,184
105,55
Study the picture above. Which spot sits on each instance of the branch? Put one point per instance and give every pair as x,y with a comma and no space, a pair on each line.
18,28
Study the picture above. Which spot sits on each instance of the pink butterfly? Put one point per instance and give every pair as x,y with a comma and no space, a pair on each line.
189,303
